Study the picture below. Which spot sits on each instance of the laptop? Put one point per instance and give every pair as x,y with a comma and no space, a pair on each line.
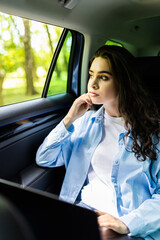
48,217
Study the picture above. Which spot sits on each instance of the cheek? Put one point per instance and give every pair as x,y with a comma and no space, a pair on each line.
110,92
88,84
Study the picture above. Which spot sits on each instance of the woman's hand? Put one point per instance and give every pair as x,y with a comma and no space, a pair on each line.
108,221
78,109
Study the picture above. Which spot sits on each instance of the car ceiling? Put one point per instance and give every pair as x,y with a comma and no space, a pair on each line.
133,21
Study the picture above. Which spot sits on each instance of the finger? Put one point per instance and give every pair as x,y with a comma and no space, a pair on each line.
99,213
88,99
104,221
103,224
81,100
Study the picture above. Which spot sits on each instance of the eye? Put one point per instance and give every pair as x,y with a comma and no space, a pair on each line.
90,75
105,78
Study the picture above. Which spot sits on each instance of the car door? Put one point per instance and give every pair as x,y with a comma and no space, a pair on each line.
24,125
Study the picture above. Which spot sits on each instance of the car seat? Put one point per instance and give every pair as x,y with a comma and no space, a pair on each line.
150,73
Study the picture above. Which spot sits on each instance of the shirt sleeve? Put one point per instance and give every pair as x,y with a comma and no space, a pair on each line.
145,220
49,153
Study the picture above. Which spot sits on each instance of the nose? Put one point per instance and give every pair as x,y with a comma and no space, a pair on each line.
94,83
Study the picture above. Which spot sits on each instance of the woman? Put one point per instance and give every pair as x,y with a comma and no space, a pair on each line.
111,155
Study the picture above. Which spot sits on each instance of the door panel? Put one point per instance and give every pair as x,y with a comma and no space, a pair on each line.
18,156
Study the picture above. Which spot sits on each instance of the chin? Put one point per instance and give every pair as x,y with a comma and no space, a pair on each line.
96,102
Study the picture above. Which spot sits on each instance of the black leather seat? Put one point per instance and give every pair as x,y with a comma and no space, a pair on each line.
150,72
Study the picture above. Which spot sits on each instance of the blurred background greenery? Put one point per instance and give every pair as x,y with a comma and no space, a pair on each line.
26,51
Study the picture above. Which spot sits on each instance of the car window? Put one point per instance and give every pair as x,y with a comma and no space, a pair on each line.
115,43
27,48
58,82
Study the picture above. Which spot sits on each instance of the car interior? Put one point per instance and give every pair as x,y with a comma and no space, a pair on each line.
133,24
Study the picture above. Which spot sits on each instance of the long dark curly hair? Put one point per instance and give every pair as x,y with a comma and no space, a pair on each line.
136,106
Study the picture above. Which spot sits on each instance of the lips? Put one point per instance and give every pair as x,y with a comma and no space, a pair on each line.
93,94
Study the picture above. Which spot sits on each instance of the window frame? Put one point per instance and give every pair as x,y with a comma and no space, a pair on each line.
74,61
53,62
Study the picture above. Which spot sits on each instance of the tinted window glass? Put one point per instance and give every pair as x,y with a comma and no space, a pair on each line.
111,42
26,51
58,83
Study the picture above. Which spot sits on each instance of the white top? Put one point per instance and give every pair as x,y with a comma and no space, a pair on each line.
99,193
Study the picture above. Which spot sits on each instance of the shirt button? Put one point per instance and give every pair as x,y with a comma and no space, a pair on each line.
114,180
116,162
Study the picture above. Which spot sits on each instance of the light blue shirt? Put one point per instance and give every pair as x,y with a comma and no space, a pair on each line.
137,183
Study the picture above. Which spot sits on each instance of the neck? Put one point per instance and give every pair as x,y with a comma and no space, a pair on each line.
112,110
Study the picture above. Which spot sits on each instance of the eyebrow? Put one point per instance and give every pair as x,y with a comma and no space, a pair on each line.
102,72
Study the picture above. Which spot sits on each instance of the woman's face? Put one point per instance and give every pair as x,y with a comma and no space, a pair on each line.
101,86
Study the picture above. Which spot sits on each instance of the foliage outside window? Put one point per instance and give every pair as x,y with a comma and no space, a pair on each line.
26,51
111,42
58,83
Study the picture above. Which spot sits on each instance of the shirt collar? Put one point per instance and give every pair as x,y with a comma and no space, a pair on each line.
98,115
